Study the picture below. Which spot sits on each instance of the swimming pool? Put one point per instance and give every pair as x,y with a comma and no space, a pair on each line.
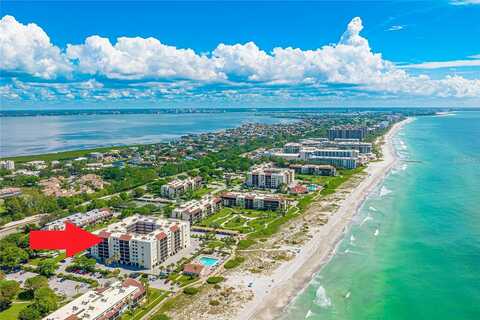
208,261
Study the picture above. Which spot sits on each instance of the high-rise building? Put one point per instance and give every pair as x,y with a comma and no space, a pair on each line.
347,132
142,241
269,178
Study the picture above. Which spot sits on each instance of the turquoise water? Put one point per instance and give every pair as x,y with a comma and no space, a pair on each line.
413,251
208,261
43,134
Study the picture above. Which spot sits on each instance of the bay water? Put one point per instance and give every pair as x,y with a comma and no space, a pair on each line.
26,135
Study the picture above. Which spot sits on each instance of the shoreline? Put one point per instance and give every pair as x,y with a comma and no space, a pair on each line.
275,292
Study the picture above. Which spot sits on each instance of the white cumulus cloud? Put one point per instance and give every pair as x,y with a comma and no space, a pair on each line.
137,58
27,48
158,71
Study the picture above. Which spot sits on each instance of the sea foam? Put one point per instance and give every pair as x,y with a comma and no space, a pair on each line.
384,191
321,298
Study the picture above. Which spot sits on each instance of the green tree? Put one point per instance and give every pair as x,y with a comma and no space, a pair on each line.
30,313
47,267
9,289
11,256
45,300
36,282
84,263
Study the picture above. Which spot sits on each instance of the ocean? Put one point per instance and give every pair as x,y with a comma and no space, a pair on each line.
413,250
26,135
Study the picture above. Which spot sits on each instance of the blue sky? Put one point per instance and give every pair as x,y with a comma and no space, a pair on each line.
84,54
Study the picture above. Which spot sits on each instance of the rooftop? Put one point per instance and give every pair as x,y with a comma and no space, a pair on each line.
96,303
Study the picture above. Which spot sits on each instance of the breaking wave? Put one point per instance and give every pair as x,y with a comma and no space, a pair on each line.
321,298
384,191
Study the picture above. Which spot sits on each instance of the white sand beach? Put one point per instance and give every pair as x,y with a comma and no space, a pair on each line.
273,292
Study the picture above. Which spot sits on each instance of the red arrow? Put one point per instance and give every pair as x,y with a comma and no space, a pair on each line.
73,239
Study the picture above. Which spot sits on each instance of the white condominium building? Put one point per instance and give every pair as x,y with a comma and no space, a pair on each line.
177,187
269,178
314,169
348,159
196,210
142,241
103,303
350,144
7,164
254,201
81,219
292,147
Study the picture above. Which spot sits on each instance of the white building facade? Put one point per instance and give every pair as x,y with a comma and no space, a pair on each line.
142,241
269,178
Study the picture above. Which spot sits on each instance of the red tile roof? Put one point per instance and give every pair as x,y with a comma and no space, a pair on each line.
125,237
104,234
174,228
161,236
193,268
132,282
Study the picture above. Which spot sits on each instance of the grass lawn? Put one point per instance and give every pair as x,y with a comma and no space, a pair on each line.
197,194
101,225
330,184
156,296
182,280
258,224
36,261
65,155
244,220
12,312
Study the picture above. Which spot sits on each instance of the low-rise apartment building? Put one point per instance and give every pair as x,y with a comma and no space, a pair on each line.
142,241
196,210
81,219
254,201
269,178
350,144
348,159
107,303
7,164
292,147
314,169
10,192
177,187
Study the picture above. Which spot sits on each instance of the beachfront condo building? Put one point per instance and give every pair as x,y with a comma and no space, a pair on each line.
350,144
348,159
347,132
292,147
254,201
7,165
177,187
196,210
269,178
314,169
107,303
82,219
142,241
